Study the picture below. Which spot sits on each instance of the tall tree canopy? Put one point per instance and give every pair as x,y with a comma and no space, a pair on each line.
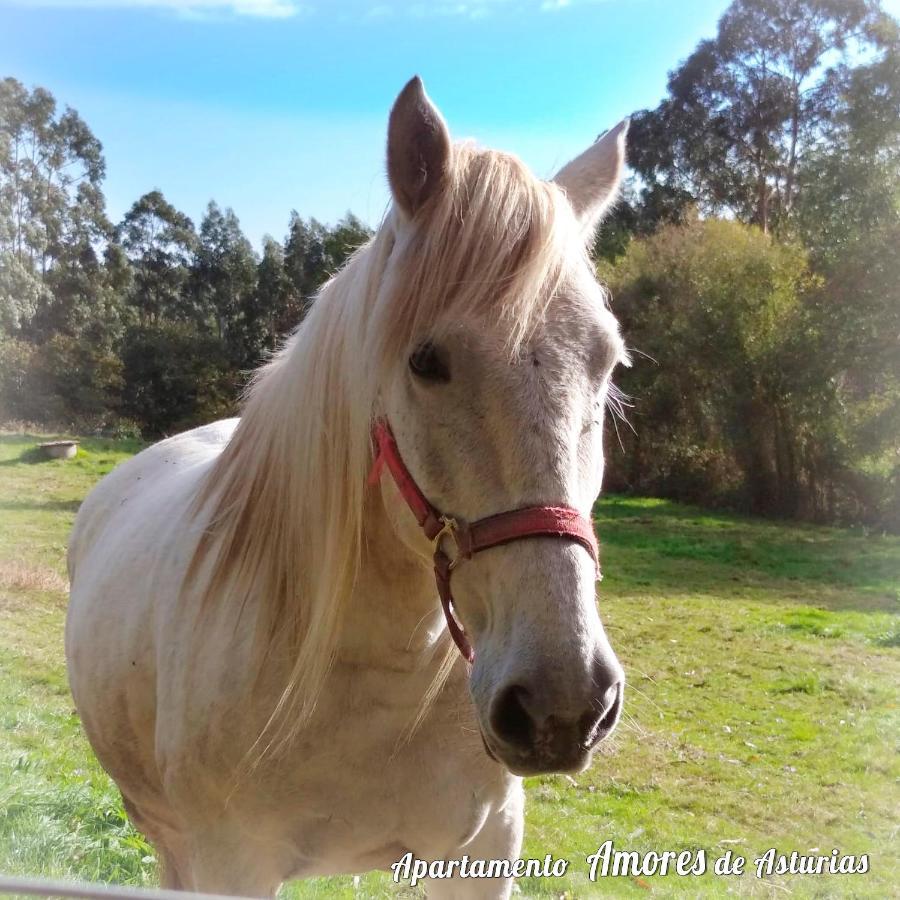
160,242
313,253
52,207
749,107
270,314
223,278
754,257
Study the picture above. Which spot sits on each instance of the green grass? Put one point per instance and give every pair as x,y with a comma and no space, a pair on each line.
763,666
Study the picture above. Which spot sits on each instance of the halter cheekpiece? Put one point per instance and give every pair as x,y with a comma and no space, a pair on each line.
473,537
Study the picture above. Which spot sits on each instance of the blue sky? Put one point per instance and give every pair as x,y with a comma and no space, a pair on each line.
273,105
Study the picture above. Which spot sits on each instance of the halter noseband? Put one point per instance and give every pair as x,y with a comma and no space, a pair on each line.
473,537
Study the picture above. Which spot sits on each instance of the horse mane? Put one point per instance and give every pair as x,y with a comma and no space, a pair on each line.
284,502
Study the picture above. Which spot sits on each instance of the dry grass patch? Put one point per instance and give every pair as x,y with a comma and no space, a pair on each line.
18,575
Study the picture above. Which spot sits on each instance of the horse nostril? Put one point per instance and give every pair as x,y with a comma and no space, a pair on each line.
510,719
597,727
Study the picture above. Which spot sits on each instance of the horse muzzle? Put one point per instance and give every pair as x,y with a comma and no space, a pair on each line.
531,733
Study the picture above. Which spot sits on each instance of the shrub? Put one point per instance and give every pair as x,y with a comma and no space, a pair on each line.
176,377
64,382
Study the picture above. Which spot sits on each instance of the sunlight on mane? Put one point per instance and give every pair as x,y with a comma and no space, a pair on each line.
285,500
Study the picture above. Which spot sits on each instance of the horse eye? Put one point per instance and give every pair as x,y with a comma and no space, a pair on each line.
425,362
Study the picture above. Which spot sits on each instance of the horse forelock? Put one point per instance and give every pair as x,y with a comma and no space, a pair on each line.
493,245
283,505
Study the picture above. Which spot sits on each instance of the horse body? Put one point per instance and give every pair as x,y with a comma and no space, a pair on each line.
254,642
168,711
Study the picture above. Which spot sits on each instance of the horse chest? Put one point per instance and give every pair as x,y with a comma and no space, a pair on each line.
362,795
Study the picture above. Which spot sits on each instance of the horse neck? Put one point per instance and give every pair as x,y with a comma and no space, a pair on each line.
394,616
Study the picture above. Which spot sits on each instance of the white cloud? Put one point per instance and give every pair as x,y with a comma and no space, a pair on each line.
265,9
474,9
348,9
478,9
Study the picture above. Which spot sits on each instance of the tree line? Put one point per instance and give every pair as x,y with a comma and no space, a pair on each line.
753,263
756,261
147,326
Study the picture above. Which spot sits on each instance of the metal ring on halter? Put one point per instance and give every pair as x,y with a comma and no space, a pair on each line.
470,538
449,528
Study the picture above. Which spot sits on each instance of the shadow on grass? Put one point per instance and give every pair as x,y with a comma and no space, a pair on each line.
692,549
39,505
29,456
889,639
87,445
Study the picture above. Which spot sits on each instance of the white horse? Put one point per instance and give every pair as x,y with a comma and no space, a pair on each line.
254,640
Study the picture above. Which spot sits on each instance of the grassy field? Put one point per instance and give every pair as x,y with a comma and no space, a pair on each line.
764,670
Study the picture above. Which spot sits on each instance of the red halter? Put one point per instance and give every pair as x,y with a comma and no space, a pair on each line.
472,538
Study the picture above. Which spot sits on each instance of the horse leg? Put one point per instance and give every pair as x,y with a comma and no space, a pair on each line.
165,844
500,838
170,876
224,859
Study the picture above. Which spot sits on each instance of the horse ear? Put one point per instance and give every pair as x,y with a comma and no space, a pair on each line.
418,150
591,181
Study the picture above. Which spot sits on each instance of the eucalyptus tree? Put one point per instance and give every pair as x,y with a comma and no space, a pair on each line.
271,315
346,238
313,252
160,241
749,107
223,278
52,209
306,260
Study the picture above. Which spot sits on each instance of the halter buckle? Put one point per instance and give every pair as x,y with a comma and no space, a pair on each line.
449,527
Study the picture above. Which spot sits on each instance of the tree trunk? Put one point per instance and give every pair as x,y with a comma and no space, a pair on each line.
792,155
762,201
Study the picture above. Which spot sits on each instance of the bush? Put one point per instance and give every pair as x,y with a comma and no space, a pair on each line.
176,377
63,382
15,362
718,307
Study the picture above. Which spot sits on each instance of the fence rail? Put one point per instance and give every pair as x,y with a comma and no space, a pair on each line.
38,887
